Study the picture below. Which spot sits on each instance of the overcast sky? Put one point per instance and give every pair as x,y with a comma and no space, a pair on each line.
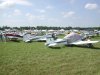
75,13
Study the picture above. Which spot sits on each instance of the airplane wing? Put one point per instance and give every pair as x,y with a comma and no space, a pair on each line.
41,39
57,43
84,42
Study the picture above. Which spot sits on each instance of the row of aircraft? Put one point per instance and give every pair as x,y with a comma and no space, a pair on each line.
51,40
70,39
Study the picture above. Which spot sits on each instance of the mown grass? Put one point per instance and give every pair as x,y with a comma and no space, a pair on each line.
19,58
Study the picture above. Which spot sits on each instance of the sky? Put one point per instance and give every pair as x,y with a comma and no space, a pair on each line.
63,13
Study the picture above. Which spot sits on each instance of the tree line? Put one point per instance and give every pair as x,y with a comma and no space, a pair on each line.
48,28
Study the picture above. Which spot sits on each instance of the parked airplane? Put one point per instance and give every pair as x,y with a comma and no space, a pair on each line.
70,39
29,37
12,36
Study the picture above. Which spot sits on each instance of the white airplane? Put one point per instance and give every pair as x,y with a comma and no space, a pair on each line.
12,37
28,37
70,39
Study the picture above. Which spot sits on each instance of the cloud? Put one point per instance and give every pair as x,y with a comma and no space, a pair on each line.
17,12
45,9
68,14
12,14
49,7
35,17
70,1
91,6
30,16
23,2
41,10
10,3
7,4
53,20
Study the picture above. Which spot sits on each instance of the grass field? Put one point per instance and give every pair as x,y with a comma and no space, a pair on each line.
19,58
